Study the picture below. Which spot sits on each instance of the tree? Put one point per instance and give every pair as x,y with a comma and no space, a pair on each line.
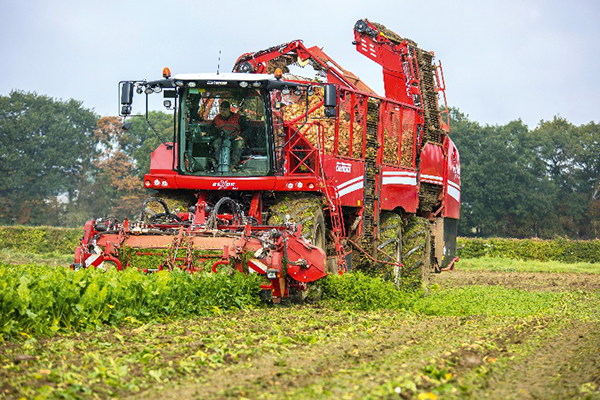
505,191
46,145
572,160
113,187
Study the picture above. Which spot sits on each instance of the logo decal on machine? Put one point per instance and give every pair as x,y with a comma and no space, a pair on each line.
343,167
224,185
456,170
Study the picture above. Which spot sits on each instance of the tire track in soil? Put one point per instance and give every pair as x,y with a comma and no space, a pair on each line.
531,281
340,364
305,365
564,365
465,350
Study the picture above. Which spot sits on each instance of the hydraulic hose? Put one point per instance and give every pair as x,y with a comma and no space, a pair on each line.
211,223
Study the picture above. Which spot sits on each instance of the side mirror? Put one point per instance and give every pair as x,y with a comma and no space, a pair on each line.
126,97
330,96
330,100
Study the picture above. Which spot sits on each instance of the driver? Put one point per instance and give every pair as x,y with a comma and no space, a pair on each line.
232,124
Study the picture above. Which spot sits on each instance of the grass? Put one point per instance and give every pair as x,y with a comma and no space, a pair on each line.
12,256
509,265
494,301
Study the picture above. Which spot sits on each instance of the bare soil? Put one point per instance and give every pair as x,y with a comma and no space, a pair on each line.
532,281
566,365
275,374
534,358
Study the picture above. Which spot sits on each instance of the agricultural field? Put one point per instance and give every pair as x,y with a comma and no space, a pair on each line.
493,328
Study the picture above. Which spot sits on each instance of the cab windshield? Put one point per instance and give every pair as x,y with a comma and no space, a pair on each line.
224,132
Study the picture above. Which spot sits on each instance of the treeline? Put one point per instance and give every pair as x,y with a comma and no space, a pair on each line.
61,164
519,183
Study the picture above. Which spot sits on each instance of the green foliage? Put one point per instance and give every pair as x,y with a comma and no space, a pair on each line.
362,292
46,148
356,291
53,149
563,250
17,257
42,300
510,265
40,240
489,301
521,183
504,189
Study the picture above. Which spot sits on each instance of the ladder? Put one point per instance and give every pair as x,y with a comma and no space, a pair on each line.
335,209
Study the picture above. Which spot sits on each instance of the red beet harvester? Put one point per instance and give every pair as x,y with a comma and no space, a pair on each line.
331,176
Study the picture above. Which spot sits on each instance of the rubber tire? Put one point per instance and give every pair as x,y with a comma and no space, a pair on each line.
406,241
304,209
416,253
389,246
177,201
108,265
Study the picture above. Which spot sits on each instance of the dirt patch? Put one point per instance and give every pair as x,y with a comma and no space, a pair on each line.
303,365
567,365
531,281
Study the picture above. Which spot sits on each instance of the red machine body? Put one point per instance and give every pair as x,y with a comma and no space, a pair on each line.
360,153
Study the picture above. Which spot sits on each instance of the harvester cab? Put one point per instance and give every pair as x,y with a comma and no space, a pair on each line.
224,123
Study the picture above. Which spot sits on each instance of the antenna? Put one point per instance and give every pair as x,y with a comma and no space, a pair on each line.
219,63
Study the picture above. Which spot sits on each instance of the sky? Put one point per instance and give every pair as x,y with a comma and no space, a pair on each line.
502,60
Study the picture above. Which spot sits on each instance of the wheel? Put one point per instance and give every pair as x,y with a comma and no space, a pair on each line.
229,130
177,201
389,246
108,265
407,242
301,293
416,253
301,209
152,207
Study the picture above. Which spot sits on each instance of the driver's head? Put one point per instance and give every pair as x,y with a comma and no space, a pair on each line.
225,109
